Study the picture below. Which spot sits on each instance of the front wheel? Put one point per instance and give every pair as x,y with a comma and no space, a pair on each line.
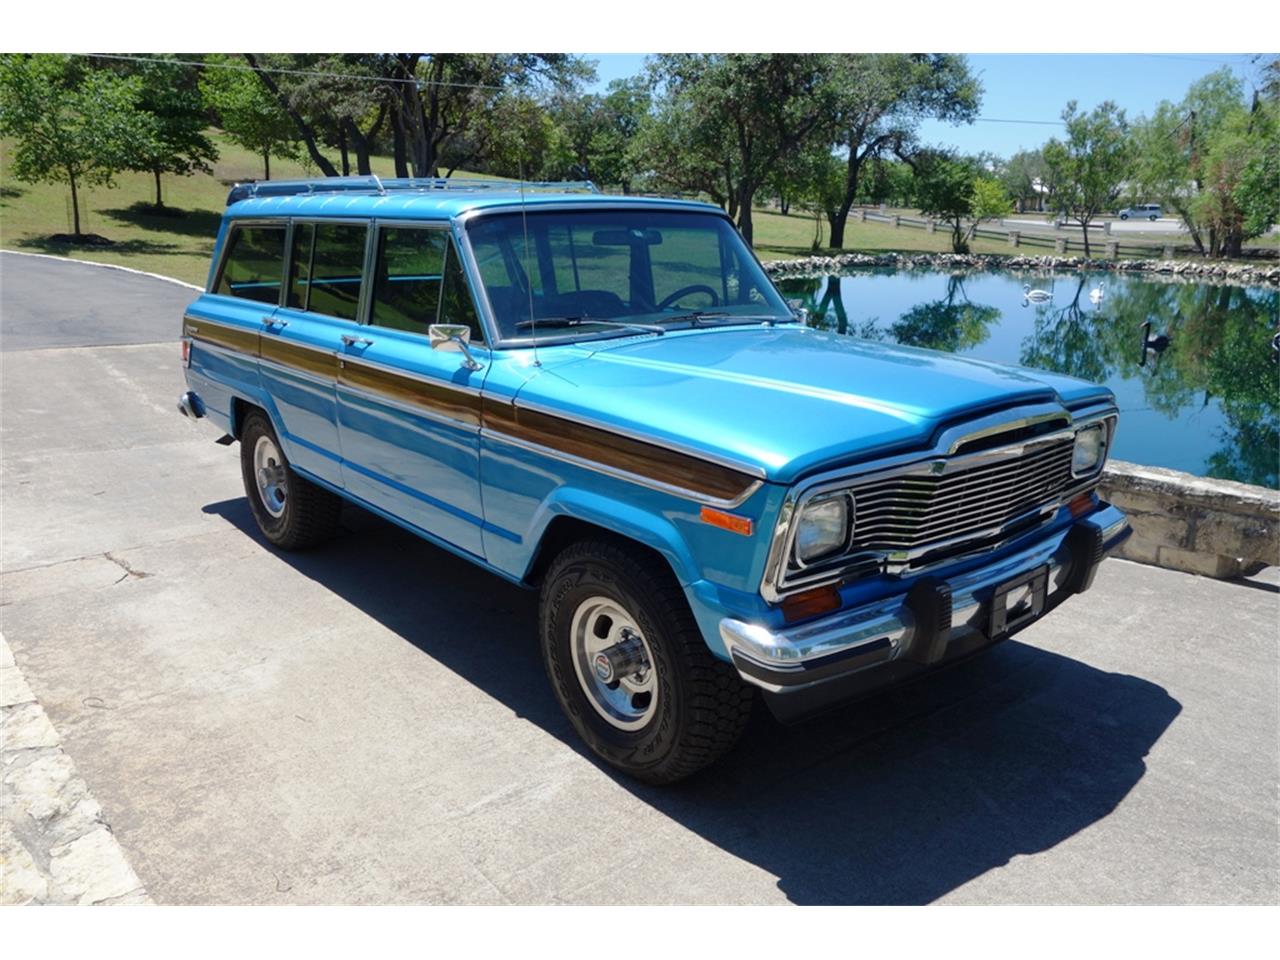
629,667
291,511
1124,216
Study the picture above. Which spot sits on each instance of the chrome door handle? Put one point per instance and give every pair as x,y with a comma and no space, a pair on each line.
274,322
351,341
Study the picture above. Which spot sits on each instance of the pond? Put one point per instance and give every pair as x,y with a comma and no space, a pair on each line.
1193,366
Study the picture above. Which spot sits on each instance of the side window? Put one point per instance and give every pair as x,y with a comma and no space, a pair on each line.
408,275
253,265
458,307
300,264
337,265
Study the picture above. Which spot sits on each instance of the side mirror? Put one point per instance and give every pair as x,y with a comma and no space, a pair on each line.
454,337
798,311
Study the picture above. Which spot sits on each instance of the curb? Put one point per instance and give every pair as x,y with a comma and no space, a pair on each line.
107,266
55,846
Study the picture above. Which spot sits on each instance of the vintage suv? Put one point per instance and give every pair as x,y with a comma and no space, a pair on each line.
605,399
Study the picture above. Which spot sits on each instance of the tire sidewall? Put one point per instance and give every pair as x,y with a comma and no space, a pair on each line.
633,750
273,528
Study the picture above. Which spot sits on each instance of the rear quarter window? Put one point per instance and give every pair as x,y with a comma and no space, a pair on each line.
253,265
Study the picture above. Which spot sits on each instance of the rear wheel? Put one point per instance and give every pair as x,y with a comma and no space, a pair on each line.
629,667
291,511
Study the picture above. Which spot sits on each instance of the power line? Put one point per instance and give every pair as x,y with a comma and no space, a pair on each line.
173,61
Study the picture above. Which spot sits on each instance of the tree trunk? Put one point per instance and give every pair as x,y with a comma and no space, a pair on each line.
159,198
746,194
853,170
304,129
266,163
784,204
342,150
1084,232
397,144
75,204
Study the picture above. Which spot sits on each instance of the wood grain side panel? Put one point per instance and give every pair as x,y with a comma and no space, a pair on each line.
222,335
312,360
460,405
648,460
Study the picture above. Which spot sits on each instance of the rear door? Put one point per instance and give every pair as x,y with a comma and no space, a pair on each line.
409,416
302,340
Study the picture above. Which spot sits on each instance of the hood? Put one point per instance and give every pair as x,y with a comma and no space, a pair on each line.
788,399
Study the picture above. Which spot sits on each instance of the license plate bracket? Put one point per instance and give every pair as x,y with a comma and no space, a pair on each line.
1017,602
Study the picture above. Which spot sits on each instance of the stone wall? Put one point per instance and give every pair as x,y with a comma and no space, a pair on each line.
1263,273
1215,528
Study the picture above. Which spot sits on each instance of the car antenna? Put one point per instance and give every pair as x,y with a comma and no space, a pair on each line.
528,280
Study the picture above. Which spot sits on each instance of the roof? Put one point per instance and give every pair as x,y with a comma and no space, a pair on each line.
436,204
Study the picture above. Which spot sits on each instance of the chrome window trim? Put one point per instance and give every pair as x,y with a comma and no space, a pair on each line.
750,469
672,489
775,585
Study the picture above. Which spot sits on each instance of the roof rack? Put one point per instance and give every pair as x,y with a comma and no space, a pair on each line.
374,184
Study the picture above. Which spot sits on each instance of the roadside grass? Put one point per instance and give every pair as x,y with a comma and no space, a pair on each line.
177,241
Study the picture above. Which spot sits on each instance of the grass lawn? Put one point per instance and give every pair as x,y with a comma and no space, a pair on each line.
178,241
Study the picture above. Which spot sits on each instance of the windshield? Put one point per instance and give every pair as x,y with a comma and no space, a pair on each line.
590,273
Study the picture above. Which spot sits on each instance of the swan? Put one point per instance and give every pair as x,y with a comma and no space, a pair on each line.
1036,296
1097,293
1153,346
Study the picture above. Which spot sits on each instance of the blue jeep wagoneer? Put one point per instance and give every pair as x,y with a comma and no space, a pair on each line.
605,399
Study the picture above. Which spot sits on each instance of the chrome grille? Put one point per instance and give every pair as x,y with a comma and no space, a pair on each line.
911,510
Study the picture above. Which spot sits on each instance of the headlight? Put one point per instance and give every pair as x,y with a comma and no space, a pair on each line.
1090,450
823,528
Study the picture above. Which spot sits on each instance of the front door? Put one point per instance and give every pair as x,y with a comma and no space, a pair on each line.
409,416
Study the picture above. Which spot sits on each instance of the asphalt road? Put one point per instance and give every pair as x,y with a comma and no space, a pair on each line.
369,722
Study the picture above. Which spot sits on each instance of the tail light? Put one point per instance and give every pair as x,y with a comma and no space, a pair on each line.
186,352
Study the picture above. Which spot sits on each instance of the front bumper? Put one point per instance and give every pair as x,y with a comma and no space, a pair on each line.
813,665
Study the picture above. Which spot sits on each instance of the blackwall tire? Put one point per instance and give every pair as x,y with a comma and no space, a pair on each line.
681,709
291,511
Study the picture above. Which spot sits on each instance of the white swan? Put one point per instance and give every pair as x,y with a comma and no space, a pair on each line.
1036,296
1097,293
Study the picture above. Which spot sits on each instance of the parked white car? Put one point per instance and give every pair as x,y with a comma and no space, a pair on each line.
1142,211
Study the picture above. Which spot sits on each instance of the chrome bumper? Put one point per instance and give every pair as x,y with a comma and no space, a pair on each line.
920,624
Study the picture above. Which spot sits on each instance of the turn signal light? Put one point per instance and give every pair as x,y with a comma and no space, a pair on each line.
1081,504
810,603
726,521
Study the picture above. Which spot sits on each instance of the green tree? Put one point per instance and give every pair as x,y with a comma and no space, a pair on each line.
247,111
1090,166
726,121
71,124
175,116
950,189
1172,149
1027,179
878,101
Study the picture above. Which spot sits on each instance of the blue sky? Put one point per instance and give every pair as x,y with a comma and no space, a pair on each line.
1037,87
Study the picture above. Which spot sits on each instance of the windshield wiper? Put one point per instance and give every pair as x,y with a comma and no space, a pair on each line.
556,323
722,317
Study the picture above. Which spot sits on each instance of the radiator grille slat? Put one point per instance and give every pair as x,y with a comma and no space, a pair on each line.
917,510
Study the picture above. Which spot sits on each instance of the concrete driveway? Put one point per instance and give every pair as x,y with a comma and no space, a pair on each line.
369,722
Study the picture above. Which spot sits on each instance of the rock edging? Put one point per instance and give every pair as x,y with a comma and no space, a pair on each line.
55,846
1266,273
1216,528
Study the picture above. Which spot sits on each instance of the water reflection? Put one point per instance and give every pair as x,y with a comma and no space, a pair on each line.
1193,364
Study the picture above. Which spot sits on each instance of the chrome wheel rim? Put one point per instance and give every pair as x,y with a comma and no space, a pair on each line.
269,471
614,663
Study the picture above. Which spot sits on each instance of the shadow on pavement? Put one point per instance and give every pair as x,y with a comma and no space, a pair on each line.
898,799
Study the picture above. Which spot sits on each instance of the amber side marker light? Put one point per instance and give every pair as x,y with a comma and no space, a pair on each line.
1081,504
810,603
726,521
